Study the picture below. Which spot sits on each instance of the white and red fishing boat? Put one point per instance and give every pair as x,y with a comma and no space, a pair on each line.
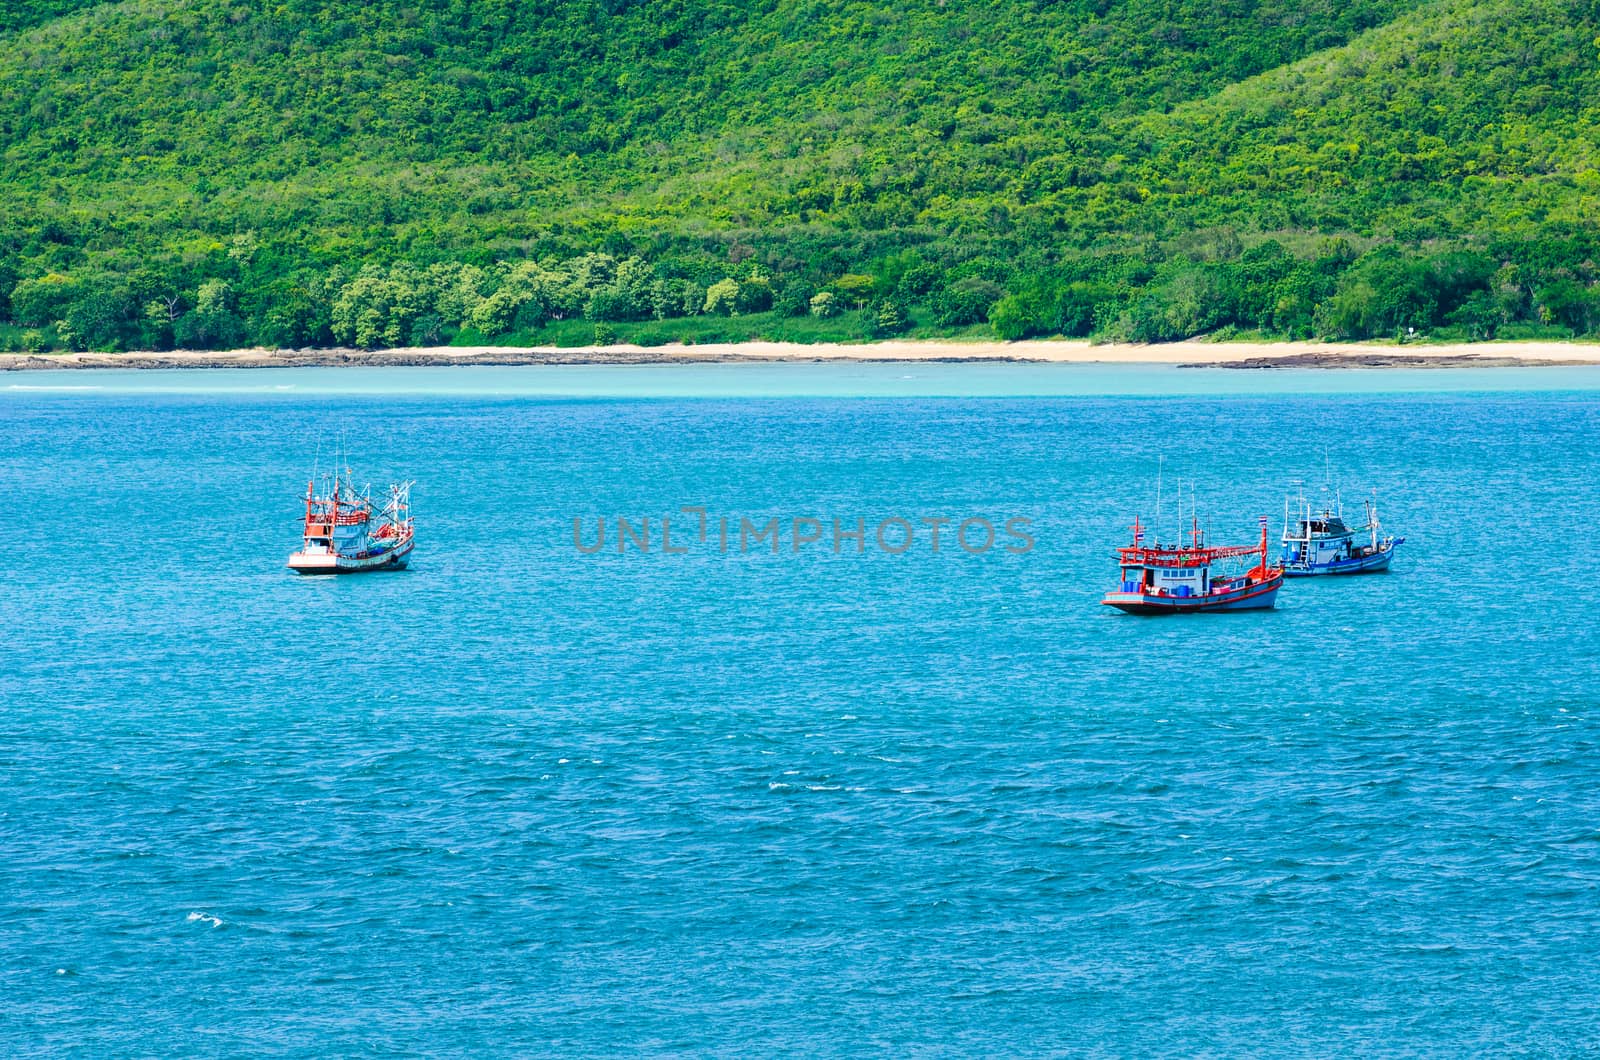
1166,580
346,531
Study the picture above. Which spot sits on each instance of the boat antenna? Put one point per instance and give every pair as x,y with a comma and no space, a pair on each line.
1180,510
1160,462
1330,484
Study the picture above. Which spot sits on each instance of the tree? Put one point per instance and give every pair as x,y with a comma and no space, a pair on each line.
633,282
41,302
160,315
590,272
528,295
610,303
212,324
824,305
630,295
1080,305
1456,276
754,295
920,280
101,318
1015,316
1383,293
427,329
378,306
966,301
886,317
794,300
8,281
298,313
676,298
722,297
1194,301
1568,303
1481,314
455,290
854,288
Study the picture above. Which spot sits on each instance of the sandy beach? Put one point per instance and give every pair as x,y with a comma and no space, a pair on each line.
1218,354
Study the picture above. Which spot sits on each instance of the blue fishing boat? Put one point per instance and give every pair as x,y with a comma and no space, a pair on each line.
1323,543
1196,577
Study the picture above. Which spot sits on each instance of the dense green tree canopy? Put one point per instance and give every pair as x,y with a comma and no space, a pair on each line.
389,172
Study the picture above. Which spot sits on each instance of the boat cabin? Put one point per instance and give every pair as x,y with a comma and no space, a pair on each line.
1166,581
1319,541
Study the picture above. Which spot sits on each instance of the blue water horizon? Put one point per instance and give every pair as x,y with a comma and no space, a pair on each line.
523,800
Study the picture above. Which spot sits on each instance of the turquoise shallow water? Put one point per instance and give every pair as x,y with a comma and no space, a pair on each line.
521,800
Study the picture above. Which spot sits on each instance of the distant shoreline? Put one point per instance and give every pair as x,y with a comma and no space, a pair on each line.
1186,354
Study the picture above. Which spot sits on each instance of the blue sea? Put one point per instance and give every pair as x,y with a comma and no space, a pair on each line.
524,800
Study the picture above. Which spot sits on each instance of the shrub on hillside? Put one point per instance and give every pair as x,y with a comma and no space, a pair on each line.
722,298
966,302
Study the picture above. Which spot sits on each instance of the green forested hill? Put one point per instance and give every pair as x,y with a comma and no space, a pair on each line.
20,14
211,172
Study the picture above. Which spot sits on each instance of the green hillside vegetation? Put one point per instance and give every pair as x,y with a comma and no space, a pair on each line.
20,14
211,173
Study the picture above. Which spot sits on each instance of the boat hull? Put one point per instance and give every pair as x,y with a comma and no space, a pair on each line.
332,563
1378,561
1254,597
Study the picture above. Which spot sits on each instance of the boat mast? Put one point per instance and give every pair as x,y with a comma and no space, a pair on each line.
1194,518
1303,531
1179,538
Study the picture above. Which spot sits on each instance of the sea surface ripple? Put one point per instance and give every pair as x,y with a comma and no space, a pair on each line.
519,800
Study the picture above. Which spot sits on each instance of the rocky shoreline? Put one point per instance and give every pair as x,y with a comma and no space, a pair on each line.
1184,354
1388,360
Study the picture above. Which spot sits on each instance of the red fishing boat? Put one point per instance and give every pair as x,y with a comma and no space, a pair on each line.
346,531
1173,581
